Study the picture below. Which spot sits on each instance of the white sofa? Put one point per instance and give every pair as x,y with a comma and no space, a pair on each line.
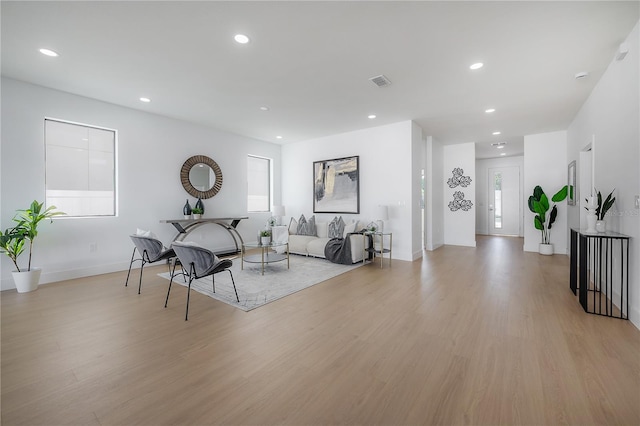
314,245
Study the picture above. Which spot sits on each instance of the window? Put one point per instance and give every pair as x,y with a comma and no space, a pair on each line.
258,184
80,172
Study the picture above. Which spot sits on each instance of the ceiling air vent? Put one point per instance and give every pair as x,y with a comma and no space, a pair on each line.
380,81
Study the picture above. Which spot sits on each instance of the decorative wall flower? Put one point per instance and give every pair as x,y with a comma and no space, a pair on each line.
459,203
458,179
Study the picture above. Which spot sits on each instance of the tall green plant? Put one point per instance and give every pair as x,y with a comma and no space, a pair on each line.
539,205
13,240
603,208
12,244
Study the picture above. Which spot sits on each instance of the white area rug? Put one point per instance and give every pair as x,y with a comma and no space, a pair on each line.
255,290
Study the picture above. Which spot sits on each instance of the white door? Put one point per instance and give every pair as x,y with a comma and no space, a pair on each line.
504,200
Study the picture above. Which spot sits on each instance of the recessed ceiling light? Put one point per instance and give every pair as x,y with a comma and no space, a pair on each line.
264,108
146,100
503,153
500,146
371,116
49,52
278,137
490,110
241,38
477,66
496,133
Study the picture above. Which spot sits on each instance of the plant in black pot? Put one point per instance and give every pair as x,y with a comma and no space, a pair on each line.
539,205
13,242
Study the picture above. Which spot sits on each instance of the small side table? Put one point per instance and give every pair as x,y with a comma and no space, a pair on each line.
378,249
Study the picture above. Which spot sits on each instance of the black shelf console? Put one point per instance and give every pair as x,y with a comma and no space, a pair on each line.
593,257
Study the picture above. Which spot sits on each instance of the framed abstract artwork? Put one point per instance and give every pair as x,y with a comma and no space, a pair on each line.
336,185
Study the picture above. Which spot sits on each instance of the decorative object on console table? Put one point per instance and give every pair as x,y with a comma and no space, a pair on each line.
186,210
200,205
590,207
539,204
602,209
197,212
13,240
336,185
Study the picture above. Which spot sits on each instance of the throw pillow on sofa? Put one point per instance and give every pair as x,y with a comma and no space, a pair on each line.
307,227
336,228
293,227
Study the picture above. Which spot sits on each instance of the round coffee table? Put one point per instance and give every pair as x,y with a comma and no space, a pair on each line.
266,255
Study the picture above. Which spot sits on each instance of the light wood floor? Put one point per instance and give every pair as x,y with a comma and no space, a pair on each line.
489,335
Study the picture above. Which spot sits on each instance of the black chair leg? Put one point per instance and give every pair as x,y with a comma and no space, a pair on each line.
126,283
143,260
140,281
234,285
213,281
170,281
186,314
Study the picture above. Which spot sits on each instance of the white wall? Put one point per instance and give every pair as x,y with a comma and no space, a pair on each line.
482,190
151,150
545,164
385,176
460,226
610,118
417,164
434,194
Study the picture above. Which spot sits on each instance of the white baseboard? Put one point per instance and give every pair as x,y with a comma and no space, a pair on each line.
417,255
51,277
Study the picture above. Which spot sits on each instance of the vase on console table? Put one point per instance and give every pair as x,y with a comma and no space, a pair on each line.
199,205
186,210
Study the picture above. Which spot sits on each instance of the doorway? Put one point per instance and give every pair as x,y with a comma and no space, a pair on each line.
504,200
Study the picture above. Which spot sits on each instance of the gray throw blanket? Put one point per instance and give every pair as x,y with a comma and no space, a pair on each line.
338,250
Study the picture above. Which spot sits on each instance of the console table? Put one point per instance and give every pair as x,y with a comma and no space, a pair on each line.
185,226
593,258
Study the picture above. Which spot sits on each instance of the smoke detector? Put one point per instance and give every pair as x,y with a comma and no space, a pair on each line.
380,80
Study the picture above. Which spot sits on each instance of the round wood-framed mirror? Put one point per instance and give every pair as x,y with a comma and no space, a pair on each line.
201,177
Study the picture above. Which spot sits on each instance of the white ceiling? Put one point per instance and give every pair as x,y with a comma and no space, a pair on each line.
310,62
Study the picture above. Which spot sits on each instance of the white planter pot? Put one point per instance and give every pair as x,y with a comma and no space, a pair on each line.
265,240
197,216
27,281
546,249
601,226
